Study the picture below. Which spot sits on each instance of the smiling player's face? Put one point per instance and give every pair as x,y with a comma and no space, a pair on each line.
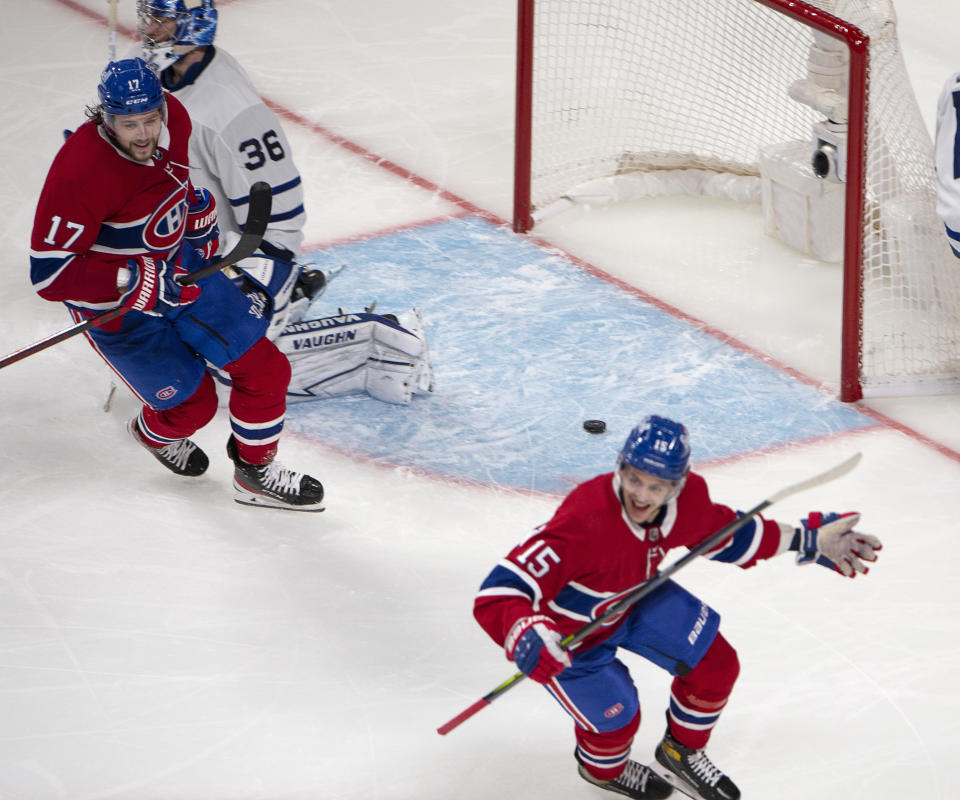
138,134
643,494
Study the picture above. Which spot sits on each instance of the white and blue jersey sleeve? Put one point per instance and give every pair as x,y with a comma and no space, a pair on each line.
947,160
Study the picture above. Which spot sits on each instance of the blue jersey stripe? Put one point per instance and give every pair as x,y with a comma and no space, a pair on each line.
744,542
285,187
294,212
502,577
44,269
574,602
236,202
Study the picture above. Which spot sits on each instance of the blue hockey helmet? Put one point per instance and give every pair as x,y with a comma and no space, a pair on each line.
196,26
129,86
658,446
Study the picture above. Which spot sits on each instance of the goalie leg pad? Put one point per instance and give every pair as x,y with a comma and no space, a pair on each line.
412,320
351,354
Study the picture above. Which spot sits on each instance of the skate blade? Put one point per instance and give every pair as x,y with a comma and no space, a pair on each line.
678,783
244,497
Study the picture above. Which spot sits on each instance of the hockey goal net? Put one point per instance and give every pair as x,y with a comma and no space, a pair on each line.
625,98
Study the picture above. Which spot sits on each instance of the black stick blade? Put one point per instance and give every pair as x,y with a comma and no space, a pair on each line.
258,211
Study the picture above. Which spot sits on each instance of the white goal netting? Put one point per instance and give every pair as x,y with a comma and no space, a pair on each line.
640,97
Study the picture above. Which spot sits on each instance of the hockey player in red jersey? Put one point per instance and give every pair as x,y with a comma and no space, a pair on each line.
117,221
607,537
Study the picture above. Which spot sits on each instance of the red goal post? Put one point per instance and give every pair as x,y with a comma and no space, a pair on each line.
604,95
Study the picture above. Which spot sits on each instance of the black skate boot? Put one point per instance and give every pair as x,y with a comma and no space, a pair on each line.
637,781
310,284
183,456
273,485
692,772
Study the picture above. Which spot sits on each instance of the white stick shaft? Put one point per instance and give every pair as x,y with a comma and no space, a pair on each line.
112,28
824,477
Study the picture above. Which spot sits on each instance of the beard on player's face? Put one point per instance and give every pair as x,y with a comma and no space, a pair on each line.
137,135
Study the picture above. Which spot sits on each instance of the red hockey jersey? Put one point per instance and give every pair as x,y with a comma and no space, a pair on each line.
99,207
589,555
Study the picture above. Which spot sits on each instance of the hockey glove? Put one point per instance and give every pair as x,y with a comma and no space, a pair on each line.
829,540
202,230
153,289
533,644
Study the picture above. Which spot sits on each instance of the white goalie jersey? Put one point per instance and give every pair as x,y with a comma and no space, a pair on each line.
947,160
236,141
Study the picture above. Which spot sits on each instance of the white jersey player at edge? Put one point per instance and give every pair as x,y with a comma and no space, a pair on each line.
236,141
947,159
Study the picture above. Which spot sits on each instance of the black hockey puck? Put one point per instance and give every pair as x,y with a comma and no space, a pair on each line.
594,426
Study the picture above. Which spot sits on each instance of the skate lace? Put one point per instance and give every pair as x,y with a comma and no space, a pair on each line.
704,768
178,453
635,776
277,478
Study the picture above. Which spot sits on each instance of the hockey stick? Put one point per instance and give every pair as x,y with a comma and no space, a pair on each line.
112,30
258,215
111,57
658,580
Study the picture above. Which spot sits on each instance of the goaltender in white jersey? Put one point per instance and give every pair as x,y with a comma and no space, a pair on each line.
236,141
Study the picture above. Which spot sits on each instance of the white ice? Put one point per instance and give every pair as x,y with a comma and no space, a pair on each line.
159,641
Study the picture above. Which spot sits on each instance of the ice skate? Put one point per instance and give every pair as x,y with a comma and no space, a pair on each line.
183,456
637,781
692,772
311,283
272,485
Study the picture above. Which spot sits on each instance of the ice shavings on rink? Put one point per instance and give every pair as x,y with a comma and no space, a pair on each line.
525,346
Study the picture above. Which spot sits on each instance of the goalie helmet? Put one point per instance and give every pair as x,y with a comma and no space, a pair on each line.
658,446
195,25
129,86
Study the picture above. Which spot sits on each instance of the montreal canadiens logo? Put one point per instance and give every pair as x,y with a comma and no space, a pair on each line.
615,709
165,226
604,606
167,393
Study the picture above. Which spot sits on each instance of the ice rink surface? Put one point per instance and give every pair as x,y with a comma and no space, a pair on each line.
158,641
